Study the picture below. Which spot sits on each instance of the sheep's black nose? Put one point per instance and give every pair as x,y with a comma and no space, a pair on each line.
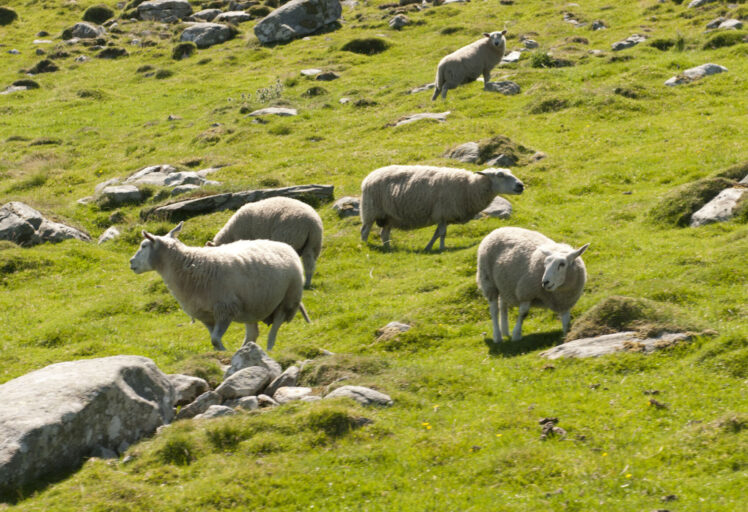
519,188
546,283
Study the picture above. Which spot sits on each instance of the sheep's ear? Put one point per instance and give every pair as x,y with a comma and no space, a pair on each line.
210,243
148,236
546,251
574,255
487,35
503,32
175,232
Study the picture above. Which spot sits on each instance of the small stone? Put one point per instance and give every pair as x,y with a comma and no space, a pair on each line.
288,378
511,57
215,411
186,387
399,22
468,152
248,403
506,87
530,44
363,395
246,382
391,330
110,234
695,73
499,208
501,161
266,401
715,22
275,111
288,394
200,405
598,25
630,41
251,354
422,88
121,194
347,206
731,25
311,72
428,116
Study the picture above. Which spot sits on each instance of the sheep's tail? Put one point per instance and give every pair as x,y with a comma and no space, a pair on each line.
438,83
304,313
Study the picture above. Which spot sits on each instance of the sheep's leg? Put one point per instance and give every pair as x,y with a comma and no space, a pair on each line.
277,321
565,318
524,308
486,78
494,305
444,91
386,236
251,331
504,310
441,231
365,231
219,329
309,266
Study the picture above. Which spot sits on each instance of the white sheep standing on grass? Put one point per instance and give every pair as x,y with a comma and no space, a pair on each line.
244,281
281,219
520,267
416,196
469,62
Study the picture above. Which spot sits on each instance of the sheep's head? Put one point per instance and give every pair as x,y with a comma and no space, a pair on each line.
143,260
557,263
497,39
503,181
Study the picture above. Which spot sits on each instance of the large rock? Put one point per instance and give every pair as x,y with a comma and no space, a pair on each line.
288,378
251,354
695,73
206,14
364,396
21,224
187,388
610,343
467,153
296,19
166,11
232,201
719,209
207,34
84,30
52,418
247,382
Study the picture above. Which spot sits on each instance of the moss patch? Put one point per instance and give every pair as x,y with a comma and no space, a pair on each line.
676,208
326,370
619,313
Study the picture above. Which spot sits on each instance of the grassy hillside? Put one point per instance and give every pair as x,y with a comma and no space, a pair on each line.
463,433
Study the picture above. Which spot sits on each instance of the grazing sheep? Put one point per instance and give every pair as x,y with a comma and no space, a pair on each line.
281,219
416,196
469,62
245,281
521,267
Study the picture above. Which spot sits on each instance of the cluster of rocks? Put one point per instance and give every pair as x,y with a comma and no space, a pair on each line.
722,207
54,418
255,380
696,73
498,151
722,23
25,226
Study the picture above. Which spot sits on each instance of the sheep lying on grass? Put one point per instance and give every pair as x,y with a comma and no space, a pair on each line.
245,281
469,62
521,267
416,196
281,219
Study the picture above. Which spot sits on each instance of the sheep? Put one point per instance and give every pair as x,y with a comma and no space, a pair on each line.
282,219
522,267
245,281
416,196
469,62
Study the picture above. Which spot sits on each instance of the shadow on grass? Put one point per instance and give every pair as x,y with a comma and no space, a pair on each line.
433,252
527,344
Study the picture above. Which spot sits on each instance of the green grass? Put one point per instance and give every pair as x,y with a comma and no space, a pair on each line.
463,433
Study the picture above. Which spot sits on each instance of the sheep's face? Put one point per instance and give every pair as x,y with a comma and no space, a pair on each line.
143,259
497,39
503,181
557,264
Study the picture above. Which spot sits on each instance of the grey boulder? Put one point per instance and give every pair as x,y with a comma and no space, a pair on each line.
506,87
499,208
251,354
467,153
695,73
84,30
297,18
698,3
611,343
288,378
287,394
232,17
116,195
166,11
362,395
110,234
215,411
206,14
200,405
23,225
628,42
247,382
248,403
52,418
719,209
427,116
207,34
275,111
347,206
187,388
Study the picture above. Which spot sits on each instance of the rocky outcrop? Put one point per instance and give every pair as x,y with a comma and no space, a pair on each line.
232,201
610,343
23,225
51,419
296,19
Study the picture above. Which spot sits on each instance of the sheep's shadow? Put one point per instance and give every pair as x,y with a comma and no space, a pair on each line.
528,343
434,252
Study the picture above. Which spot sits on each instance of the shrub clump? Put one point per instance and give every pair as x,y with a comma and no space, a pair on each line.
541,59
676,208
723,39
314,91
366,46
98,14
662,44
183,50
619,313
7,16
178,450
502,145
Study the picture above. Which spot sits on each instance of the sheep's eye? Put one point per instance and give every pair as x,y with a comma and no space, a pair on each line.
561,264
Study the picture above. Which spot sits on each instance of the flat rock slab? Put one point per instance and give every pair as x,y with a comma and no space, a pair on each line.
297,18
311,72
274,111
364,396
696,73
251,354
698,3
499,208
506,87
23,225
207,34
630,41
428,116
117,195
347,206
611,343
719,209
52,418
286,394
731,24
233,201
